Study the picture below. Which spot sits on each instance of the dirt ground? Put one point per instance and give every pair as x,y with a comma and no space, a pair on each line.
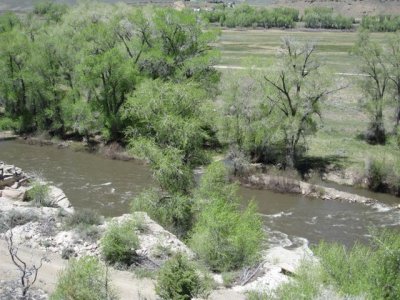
127,286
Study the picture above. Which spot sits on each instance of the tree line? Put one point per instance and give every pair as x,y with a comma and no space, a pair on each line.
381,23
72,70
323,17
244,15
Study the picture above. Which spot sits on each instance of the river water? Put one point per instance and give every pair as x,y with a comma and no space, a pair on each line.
109,186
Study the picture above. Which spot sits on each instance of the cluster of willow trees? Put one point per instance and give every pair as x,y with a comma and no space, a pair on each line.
71,71
384,23
323,17
248,16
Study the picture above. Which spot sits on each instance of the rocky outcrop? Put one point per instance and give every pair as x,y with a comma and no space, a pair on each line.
14,185
278,266
11,176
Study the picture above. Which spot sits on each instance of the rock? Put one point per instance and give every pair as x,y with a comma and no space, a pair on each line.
59,199
13,194
279,265
9,175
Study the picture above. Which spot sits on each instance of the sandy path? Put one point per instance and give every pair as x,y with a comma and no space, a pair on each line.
127,286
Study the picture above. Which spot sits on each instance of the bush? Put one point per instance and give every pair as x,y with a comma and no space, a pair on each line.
215,184
85,222
8,124
383,176
119,244
179,280
83,217
233,238
376,172
39,194
16,218
172,212
368,271
84,279
306,285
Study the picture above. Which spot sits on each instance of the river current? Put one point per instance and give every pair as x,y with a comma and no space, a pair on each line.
108,186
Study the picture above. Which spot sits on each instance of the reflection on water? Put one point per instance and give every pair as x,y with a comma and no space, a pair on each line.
108,186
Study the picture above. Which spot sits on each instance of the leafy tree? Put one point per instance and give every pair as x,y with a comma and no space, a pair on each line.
72,70
297,88
393,60
234,237
172,211
244,120
374,86
172,117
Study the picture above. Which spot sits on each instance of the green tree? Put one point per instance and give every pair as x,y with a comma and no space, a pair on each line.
393,59
374,86
297,89
244,121
234,236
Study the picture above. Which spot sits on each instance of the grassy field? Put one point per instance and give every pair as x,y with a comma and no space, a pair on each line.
343,119
333,47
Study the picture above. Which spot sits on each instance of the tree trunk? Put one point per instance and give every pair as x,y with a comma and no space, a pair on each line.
290,156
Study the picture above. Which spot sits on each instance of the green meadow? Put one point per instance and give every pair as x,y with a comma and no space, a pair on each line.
343,120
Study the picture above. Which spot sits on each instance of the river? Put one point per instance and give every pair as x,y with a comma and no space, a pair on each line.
91,181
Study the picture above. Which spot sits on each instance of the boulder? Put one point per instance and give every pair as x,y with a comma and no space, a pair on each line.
13,194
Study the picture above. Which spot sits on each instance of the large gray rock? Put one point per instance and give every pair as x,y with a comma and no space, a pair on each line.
59,199
13,194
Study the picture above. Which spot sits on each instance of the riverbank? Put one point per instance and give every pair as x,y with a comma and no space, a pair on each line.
286,182
41,233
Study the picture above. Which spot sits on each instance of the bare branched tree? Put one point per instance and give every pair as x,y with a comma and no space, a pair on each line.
28,273
374,86
297,88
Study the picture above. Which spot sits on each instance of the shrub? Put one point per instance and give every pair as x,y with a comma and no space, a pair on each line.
84,279
215,183
119,244
38,194
83,217
85,221
179,280
229,278
306,285
172,211
16,218
368,271
376,172
233,238
8,124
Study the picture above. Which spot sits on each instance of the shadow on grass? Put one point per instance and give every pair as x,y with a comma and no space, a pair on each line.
319,164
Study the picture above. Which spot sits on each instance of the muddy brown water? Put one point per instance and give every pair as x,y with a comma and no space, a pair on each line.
108,186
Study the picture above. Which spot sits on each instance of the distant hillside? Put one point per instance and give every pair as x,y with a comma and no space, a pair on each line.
25,5
354,8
